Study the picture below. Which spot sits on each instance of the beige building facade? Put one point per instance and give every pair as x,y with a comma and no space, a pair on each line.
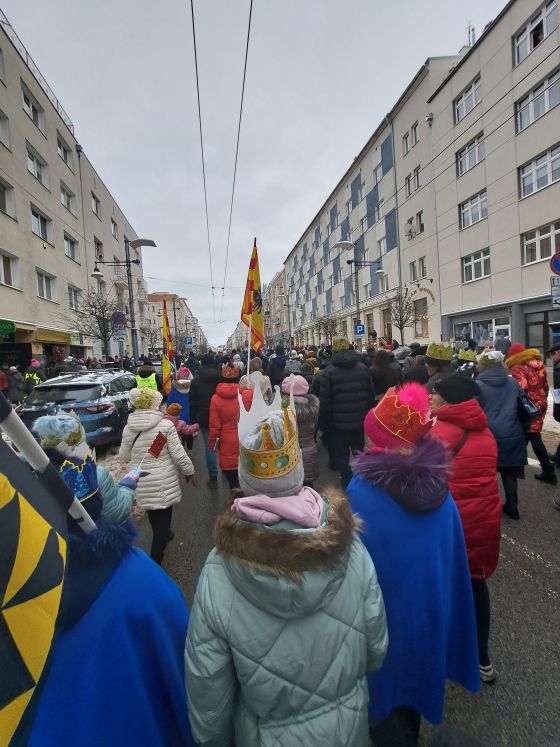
57,219
182,324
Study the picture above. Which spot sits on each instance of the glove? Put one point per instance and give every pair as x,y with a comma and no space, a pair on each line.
130,480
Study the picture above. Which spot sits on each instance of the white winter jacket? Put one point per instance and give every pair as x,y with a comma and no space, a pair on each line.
161,488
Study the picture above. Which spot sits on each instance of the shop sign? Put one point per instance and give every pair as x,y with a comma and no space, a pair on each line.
424,290
51,335
76,338
7,327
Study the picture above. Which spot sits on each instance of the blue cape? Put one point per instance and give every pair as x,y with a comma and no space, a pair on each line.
422,568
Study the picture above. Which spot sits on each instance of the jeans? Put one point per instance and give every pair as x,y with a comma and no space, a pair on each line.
160,521
535,439
341,444
482,614
211,464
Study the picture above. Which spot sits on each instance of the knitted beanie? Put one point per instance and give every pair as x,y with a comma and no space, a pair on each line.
491,359
174,409
517,347
301,387
340,343
143,398
288,484
401,418
455,388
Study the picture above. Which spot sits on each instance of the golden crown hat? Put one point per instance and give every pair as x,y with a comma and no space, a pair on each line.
467,355
269,460
440,351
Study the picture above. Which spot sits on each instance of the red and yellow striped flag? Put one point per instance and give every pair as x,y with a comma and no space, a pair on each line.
168,353
252,302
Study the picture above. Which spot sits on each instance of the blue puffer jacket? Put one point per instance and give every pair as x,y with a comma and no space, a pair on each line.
499,394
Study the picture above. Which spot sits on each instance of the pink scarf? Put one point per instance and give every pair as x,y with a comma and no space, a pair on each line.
304,509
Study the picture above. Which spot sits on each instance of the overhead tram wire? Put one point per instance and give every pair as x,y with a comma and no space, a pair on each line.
203,165
236,155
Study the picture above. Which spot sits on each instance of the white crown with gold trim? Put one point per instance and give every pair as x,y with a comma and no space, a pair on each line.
268,461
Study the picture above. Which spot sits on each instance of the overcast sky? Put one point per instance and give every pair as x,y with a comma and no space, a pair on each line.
321,75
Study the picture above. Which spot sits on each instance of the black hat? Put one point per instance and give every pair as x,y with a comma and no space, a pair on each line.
418,350
279,350
414,345
554,348
455,388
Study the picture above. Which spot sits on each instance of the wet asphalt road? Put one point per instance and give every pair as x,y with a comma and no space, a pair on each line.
522,709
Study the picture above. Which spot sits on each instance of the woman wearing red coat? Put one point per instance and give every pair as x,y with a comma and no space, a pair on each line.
527,368
224,414
462,425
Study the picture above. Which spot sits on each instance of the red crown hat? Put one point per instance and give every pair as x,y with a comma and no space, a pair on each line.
402,414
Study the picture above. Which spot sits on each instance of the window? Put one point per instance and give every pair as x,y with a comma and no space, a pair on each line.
413,275
9,267
114,229
348,206
473,210
73,298
382,246
420,222
422,272
408,185
377,174
406,143
345,328
37,166
2,73
4,130
377,213
541,243
384,283
99,250
45,286
541,99
414,134
71,248
32,109
467,100
470,155
95,205
421,317
41,225
7,199
417,177
64,151
541,172
476,266
67,198
539,27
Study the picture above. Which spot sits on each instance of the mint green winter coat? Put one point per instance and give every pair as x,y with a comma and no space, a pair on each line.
284,626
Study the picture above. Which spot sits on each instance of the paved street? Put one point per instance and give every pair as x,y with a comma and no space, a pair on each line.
523,707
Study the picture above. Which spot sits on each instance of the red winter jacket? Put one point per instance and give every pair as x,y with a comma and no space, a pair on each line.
472,481
527,368
224,416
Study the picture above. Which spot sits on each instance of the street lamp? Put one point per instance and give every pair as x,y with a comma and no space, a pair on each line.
350,246
97,274
285,295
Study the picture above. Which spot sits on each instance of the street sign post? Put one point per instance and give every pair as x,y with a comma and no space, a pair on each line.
555,263
555,291
360,330
188,342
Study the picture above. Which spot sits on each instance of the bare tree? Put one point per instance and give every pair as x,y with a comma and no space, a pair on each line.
327,328
99,316
153,338
401,309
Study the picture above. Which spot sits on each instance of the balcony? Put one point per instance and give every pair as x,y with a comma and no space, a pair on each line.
142,295
119,277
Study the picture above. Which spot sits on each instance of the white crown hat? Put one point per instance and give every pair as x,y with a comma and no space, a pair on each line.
259,408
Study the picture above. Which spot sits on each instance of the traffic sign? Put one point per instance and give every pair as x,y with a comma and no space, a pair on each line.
555,291
555,263
359,330
188,341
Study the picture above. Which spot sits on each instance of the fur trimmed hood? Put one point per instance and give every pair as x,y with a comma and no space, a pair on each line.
287,570
524,356
417,478
307,408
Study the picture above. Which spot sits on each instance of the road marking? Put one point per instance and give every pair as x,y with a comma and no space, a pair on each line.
530,554
550,592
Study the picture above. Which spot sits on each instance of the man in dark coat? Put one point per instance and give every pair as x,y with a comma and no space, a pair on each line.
345,397
203,388
277,367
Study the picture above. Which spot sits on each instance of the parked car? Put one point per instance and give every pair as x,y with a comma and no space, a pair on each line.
99,398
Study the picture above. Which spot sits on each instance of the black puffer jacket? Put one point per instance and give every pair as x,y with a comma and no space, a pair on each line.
203,388
276,370
346,393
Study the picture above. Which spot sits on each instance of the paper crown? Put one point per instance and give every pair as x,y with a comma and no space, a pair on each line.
400,419
230,372
440,351
269,460
80,478
467,355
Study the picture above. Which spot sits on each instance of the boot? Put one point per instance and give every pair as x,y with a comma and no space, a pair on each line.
548,476
510,508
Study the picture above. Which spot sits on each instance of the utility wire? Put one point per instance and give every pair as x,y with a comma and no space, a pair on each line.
236,155
203,165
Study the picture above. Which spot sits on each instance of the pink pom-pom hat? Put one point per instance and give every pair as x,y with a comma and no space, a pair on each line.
401,417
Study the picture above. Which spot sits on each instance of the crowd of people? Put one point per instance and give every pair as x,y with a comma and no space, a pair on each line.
322,616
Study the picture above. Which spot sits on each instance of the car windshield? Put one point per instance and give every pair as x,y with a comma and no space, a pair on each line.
59,394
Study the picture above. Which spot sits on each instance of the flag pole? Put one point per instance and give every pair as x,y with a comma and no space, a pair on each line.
250,340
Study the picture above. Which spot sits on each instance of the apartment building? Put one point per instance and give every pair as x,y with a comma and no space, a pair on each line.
453,201
496,157
276,318
57,220
182,324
